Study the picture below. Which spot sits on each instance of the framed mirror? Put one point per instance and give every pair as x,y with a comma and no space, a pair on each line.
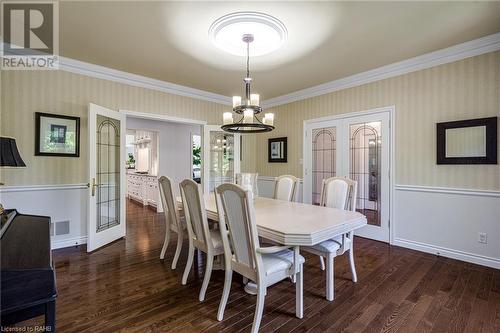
471,141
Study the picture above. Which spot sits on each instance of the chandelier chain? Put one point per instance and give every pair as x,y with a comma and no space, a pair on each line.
248,59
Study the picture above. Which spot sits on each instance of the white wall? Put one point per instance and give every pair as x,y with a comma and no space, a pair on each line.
60,202
174,146
447,221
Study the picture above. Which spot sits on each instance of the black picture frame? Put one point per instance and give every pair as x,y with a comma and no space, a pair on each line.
38,122
282,154
490,123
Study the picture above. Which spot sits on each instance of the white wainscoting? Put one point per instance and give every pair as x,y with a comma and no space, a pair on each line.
443,221
66,202
266,187
446,222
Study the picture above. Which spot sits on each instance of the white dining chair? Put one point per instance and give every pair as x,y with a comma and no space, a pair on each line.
336,192
200,236
243,254
248,180
285,188
172,218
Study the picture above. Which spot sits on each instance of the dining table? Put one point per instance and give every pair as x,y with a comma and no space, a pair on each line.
295,224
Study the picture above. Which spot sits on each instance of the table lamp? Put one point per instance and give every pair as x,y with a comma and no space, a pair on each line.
9,157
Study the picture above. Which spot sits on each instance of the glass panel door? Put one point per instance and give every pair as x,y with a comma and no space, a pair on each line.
356,147
106,218
320,157
108,172
222,157
324,145
365,160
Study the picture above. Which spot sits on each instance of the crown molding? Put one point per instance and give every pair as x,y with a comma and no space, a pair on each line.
101,72
454,53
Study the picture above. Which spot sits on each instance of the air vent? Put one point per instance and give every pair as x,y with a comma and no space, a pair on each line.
62,228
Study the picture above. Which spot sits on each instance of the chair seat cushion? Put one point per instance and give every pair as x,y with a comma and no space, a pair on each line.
279,261
216,239
331,245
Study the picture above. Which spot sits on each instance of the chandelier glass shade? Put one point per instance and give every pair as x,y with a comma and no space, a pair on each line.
247,111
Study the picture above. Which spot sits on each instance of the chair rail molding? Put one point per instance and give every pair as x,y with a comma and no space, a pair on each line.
50,187
448,190
454,53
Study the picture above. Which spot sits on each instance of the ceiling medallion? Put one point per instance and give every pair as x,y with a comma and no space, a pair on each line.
269,33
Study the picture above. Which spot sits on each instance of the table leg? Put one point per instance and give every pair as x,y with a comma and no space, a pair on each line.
251,288
299,285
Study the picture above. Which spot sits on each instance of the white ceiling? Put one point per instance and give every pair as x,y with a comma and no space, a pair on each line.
326,40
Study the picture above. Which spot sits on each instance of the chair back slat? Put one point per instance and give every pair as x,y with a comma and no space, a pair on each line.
285,188
237,218
194,210
168,202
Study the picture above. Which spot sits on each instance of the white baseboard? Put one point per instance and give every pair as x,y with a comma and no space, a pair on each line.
448,253
59,244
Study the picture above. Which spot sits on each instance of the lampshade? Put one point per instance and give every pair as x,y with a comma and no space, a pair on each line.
9,155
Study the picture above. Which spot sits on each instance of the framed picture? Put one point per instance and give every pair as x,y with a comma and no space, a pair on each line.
472,141
277,150
57,135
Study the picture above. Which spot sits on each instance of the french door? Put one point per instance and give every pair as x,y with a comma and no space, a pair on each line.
106,205
221,157
357,147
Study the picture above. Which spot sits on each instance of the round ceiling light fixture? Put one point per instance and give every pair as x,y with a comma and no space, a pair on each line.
269,33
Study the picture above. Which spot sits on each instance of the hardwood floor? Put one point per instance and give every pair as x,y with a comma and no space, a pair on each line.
125,287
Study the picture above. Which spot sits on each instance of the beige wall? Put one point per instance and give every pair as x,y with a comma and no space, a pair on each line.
461,90
465,89
26,92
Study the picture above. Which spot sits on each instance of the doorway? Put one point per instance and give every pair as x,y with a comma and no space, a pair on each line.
357,146
221,157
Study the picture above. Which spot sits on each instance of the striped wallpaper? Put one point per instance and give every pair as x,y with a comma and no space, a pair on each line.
465,89
27,92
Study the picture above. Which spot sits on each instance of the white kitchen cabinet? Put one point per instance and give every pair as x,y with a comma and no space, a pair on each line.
143,188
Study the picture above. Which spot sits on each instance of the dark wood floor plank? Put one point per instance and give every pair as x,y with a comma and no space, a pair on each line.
125,287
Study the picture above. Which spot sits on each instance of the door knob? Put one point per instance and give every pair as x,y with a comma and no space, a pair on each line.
94,185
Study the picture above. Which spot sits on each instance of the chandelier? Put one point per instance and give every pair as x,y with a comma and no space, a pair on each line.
247,110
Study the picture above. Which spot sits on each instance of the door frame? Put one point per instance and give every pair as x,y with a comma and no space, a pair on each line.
171,119
119,231
391,111
205,144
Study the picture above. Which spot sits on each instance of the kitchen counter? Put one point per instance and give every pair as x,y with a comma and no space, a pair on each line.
143,188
